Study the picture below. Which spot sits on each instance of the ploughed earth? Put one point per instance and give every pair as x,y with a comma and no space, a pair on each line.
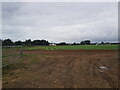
63,69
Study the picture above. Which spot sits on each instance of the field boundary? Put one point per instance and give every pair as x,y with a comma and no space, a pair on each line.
11,54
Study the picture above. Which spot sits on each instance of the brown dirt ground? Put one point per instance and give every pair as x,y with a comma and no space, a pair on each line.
63,69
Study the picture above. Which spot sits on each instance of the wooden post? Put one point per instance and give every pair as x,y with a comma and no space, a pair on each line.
21,53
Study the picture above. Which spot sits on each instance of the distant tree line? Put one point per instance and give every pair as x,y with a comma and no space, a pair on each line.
29,42
86,42
9,42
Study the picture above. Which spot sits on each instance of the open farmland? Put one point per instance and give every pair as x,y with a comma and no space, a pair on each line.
86,66
75,47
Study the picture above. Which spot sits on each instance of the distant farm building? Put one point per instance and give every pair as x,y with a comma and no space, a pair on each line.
52,44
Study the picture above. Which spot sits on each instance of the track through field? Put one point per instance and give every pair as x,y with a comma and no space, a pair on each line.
64,69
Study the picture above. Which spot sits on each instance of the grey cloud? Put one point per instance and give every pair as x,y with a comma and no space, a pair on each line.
60,21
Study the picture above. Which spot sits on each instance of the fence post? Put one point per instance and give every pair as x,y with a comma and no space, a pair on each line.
21,52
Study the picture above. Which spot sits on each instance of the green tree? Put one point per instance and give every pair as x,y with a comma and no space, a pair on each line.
7,42
18,43
28,42
86,42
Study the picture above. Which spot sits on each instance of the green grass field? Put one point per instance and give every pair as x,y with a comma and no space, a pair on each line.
74,47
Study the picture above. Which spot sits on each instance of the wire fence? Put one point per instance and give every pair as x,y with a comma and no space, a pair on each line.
11,54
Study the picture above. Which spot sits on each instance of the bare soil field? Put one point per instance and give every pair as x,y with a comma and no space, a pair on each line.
63,69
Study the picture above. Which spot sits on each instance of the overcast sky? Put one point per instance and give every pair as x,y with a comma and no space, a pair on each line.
59,22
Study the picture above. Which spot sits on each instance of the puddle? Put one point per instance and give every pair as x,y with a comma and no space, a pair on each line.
103,68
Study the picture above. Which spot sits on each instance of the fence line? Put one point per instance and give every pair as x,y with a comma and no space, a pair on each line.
11,54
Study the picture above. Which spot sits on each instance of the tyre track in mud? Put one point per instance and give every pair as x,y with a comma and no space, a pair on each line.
97,76
69,74
68,77
91,73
